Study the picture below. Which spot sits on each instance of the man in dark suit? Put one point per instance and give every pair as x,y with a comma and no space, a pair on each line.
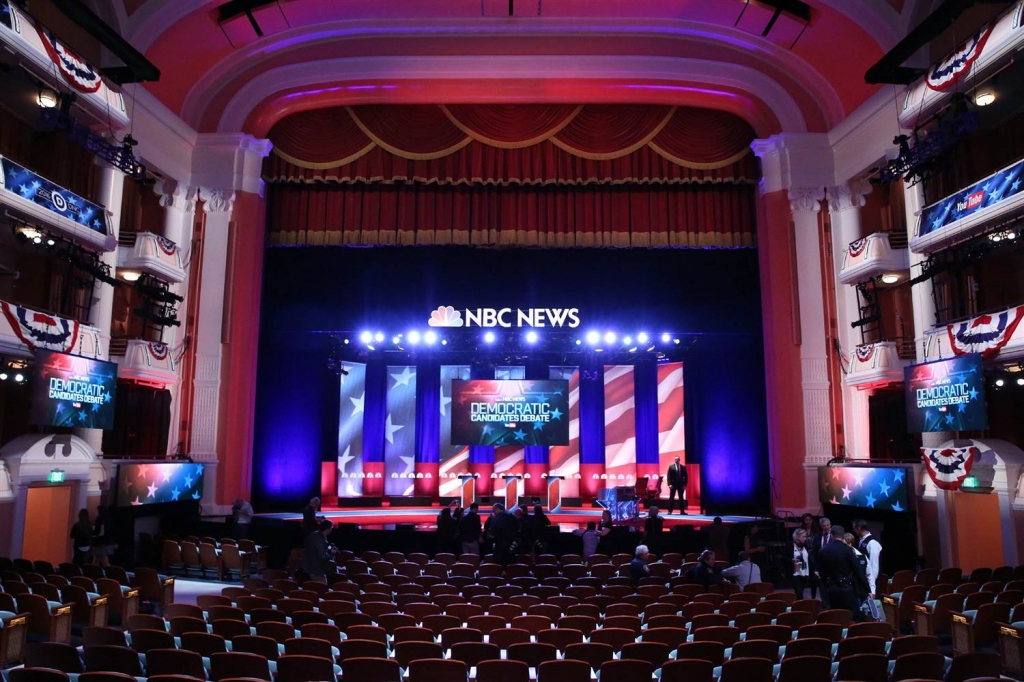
677,480
842,576
310,522
814,545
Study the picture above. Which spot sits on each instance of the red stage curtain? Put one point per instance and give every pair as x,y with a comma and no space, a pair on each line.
560,216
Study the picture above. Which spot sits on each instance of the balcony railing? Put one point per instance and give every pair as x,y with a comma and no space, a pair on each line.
876,364
23,330
148,362
155,255
871,257
998,334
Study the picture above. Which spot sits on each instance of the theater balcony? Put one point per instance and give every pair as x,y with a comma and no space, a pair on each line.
147,362
150,253
997,334
994,200
23,330
876,364
874,256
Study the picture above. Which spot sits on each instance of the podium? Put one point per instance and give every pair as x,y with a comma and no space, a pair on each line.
511,490
554,492
468,489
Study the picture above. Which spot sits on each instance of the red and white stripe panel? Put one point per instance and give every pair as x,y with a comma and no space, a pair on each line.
671,422
564,460
619,425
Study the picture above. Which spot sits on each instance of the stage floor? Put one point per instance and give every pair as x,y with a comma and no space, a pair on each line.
423,518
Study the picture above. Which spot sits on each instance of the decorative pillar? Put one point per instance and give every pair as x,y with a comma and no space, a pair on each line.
844,204
109,195
179,204
795,171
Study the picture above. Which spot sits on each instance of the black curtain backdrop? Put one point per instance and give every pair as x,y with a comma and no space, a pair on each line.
711,297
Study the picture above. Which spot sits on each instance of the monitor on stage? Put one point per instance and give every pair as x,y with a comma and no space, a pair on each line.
68,390
494,412
948,395
158,482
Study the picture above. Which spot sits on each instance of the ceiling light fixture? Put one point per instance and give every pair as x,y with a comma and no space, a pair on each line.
131,275
890,278
983,99
47,98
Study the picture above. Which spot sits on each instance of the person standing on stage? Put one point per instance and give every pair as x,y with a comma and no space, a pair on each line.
309,519
841,576
677,480
470,530
871,548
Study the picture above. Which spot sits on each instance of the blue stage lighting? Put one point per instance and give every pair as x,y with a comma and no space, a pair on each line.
609,337
413,337
379,337
665,338
430,338
641,337
488,337
366,337
593,337
531,337
579,342
396,340
627,341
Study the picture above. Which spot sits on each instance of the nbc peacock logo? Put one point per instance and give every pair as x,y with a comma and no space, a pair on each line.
445,316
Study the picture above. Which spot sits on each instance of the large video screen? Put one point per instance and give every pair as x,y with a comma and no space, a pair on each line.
154,483
493,412
883,488
68,390
948,395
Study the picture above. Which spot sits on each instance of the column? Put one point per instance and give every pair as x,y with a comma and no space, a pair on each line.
179,214
109,195
924,320
844,204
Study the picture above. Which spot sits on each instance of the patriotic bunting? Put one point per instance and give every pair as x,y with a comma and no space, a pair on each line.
948,467
39,330
857,247
953,67
76,71
985,334
864,353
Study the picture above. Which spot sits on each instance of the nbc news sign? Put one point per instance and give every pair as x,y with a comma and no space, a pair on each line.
448,316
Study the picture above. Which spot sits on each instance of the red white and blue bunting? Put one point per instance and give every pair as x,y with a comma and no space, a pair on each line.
857,247
76,71
39,330
985,334
948,467
157,350
953,67
166,245
864,353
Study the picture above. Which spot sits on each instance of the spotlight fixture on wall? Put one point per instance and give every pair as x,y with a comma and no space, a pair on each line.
890,278
47,98
983,99
131,275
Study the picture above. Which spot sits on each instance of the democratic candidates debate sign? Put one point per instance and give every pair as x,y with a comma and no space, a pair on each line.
948,395
71,391
493,412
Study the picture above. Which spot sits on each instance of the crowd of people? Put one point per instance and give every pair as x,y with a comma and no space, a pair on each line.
504,533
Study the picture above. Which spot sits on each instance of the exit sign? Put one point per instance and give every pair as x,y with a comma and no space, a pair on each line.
56,476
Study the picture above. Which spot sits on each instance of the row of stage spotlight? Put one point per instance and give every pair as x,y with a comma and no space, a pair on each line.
593,338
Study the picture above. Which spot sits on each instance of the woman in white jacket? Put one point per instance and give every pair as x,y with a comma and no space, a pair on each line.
801,571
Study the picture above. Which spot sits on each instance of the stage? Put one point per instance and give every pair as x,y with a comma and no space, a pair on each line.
423,518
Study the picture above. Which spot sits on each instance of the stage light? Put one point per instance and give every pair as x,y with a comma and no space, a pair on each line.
1020,382
19,377
488,337
396,340
366,337
531,337
413,337
609,337
641,337
47,98
579,342
985,98
345,341
3,376
665,338
379,337
676,341
593,337
999,382
430,338
627,341
444,342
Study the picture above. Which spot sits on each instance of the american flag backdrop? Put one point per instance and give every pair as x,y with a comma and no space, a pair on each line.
564,460
510,459
350,430
671,423
454,459
619,424
400,431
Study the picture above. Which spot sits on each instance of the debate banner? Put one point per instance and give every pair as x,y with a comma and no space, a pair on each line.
564,460
400,431
671,422
619,425
350,430
454,459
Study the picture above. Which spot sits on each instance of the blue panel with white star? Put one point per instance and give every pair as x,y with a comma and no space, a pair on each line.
882,488
139,484
982,194
486,412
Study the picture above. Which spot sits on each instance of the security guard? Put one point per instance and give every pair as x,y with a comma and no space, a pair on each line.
841,575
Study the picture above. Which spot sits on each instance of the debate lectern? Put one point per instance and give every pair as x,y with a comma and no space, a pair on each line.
468,489
554,492
511,490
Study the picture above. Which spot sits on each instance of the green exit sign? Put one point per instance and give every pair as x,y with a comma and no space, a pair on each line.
970,482
56,476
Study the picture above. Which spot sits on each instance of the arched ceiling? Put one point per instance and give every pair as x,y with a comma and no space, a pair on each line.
320,53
